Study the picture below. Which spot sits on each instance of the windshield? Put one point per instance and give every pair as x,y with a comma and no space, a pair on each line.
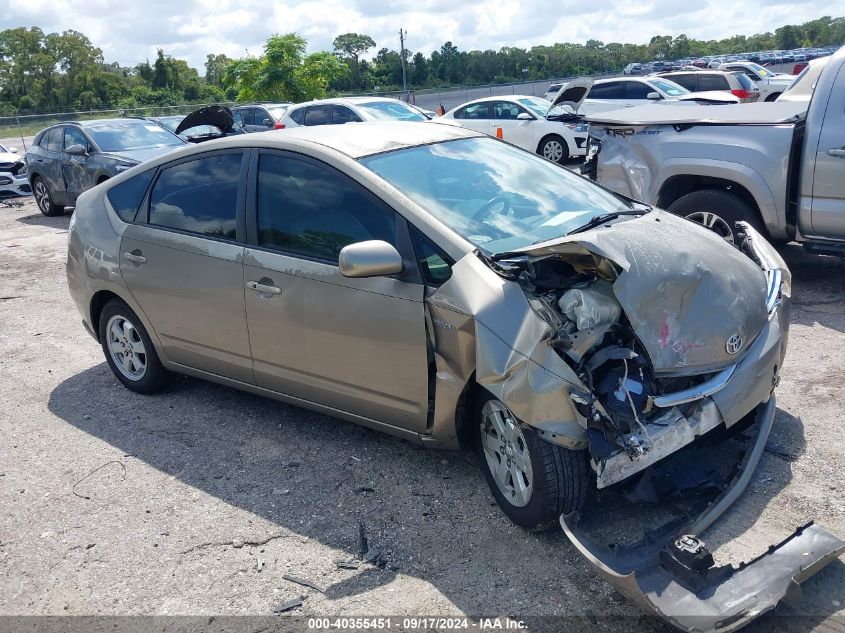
540,107
494,195
390,111
669,87
126,135
171,122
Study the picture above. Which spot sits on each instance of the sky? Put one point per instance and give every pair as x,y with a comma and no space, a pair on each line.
129,31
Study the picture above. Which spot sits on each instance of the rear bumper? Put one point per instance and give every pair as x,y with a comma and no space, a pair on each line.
711,598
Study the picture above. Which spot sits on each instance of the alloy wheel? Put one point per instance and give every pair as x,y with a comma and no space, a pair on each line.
713,222
42,196
126,348
506,453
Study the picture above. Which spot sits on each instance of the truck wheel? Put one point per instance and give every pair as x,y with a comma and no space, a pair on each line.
717,210
532,480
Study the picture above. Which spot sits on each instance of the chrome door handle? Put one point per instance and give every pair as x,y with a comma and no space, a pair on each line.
840,153
254,285
135,258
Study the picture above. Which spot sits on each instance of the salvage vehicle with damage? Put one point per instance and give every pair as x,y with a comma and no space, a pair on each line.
451,289
777,166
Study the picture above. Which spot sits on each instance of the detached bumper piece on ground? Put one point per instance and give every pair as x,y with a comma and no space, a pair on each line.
670,573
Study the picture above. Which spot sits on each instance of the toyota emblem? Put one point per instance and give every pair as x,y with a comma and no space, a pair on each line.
733,343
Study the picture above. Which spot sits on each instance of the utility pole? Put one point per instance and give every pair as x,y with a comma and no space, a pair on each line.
402,34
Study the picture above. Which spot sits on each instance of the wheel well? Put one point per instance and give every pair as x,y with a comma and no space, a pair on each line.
98,302
547,137
102,179
773,96
679,186
465,410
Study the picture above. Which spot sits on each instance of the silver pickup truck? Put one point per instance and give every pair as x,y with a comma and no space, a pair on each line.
778,166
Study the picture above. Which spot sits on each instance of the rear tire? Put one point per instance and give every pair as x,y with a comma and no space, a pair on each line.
555,478
716,210
129,350
44,199
554,148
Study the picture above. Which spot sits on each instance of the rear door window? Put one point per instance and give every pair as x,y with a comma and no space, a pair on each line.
637,90
318,115
199,196
475,111
342,114
53,140
687,81
609,90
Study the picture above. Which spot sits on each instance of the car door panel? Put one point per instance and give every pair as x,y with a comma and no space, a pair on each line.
357,345
75,168
828,202
518,132
192,292
183,263
476,116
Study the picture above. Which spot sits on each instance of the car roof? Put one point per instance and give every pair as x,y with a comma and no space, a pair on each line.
500,98
345,101
352,139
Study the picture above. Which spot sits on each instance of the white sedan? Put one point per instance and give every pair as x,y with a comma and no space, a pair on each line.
553,131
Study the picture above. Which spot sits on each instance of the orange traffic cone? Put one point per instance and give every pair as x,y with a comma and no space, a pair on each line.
500,133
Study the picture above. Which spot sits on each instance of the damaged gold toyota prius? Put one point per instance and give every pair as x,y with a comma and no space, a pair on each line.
451,289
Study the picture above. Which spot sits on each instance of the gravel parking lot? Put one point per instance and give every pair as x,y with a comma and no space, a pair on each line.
198,501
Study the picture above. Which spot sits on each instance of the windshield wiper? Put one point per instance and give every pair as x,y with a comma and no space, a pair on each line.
598,220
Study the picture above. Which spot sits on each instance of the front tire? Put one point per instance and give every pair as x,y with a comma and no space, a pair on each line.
533,481
44,199
554,148
716,210
129,350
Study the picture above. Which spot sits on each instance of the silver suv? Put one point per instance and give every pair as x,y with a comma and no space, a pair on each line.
736,83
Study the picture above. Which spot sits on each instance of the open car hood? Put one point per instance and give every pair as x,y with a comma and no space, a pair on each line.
573,93
216,115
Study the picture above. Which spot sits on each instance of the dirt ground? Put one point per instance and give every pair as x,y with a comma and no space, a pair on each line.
197,501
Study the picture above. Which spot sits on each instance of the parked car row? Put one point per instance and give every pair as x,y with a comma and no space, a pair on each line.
765,58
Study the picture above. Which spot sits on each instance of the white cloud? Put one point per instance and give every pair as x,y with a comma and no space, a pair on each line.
130,32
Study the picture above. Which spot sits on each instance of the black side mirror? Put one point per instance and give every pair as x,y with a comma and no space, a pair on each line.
268,122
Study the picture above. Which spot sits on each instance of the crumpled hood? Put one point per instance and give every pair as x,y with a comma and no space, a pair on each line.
683,288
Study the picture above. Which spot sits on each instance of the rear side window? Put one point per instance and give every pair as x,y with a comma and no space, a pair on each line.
125,198
713,82
318,115
298,116
199,196
312,210
609,90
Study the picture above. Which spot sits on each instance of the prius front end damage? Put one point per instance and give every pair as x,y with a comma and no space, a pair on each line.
619,341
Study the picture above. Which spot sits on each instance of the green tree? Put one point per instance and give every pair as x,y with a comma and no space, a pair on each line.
349,47
283,72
